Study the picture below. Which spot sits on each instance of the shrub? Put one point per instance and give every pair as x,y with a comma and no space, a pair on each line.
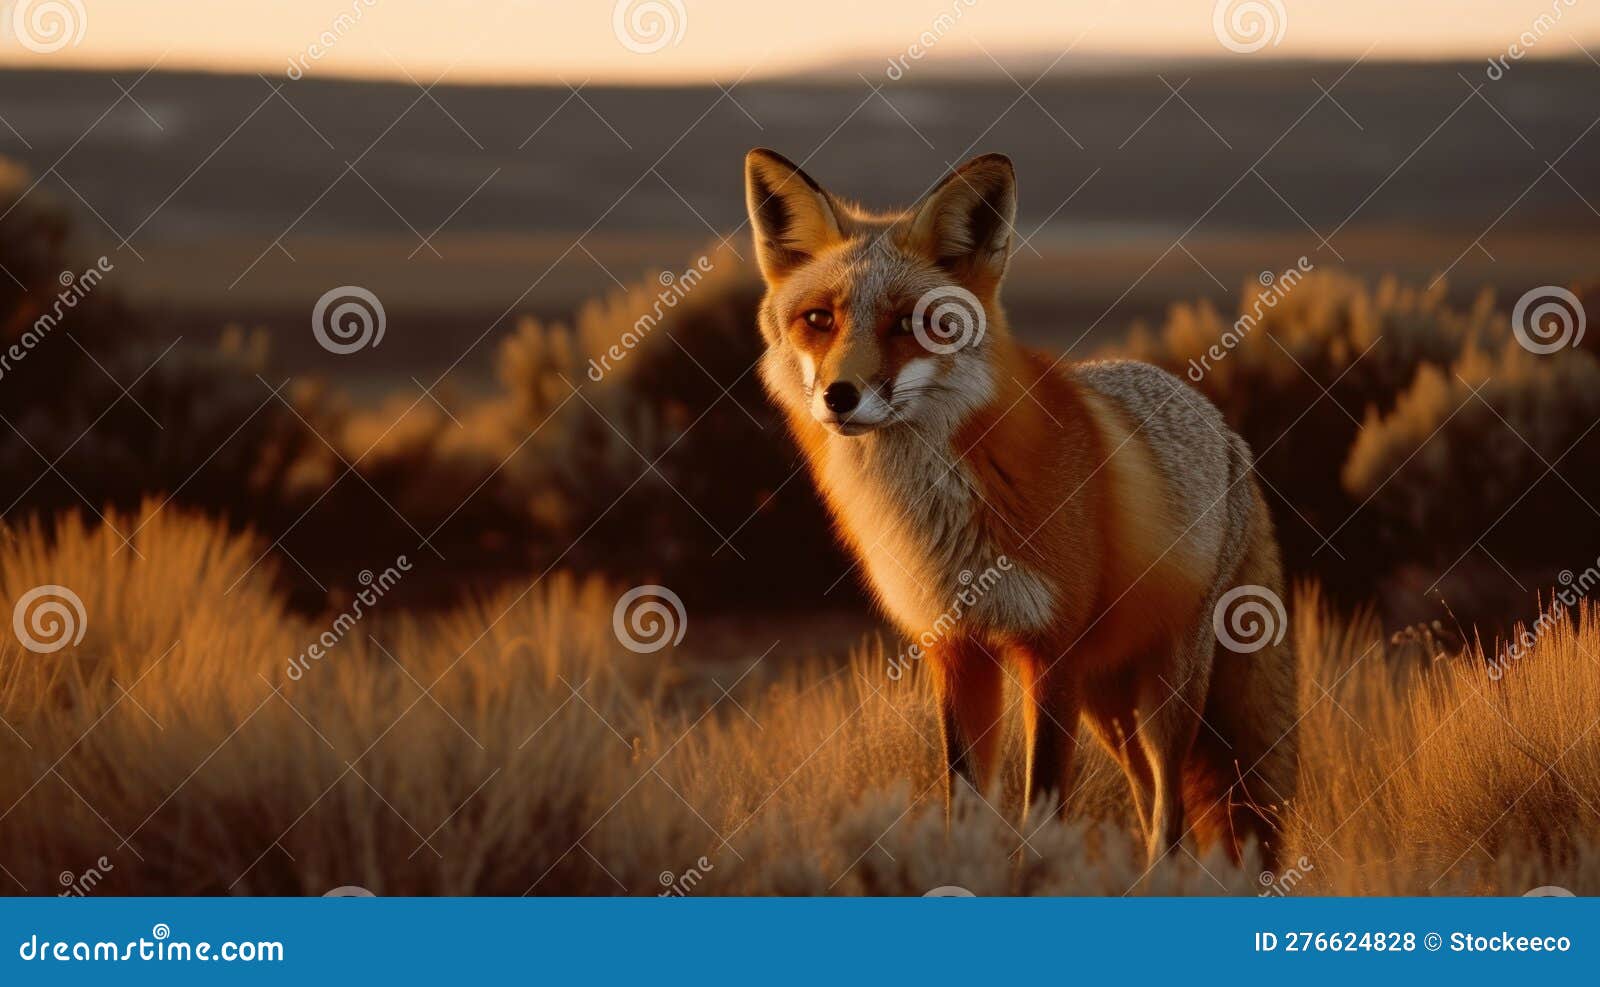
74,439
1389,358
640,446
1463,456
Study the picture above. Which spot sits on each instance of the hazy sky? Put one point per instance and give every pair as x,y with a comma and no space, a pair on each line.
482,40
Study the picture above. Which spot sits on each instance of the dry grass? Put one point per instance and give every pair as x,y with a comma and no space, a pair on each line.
544,757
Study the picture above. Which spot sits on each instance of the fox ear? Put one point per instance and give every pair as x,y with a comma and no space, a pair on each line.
793,218
965,224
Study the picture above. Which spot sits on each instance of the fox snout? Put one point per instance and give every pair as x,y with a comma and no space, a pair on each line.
847,388
852,397
840,397
850,407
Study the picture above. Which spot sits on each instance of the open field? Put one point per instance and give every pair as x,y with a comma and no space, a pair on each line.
515,747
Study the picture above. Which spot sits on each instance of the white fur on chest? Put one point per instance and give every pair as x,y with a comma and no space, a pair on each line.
925,543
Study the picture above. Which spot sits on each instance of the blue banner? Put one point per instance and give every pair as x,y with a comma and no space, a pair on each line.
720,940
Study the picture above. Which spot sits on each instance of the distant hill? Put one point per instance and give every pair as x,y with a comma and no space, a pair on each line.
563,162
465,206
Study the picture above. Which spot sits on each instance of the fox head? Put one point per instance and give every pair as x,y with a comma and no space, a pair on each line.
878,321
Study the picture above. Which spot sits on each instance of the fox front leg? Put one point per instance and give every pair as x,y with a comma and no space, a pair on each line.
968,685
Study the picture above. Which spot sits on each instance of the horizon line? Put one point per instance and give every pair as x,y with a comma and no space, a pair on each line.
840,69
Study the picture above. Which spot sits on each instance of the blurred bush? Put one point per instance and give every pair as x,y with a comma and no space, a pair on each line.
1496,446
1403,430
634,439
653,436
71,438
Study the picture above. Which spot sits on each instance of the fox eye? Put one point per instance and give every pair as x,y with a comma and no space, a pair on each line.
819,319
903,327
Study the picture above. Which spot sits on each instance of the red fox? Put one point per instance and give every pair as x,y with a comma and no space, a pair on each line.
1120,505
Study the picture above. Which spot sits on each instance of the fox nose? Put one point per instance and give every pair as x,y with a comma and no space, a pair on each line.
841,397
